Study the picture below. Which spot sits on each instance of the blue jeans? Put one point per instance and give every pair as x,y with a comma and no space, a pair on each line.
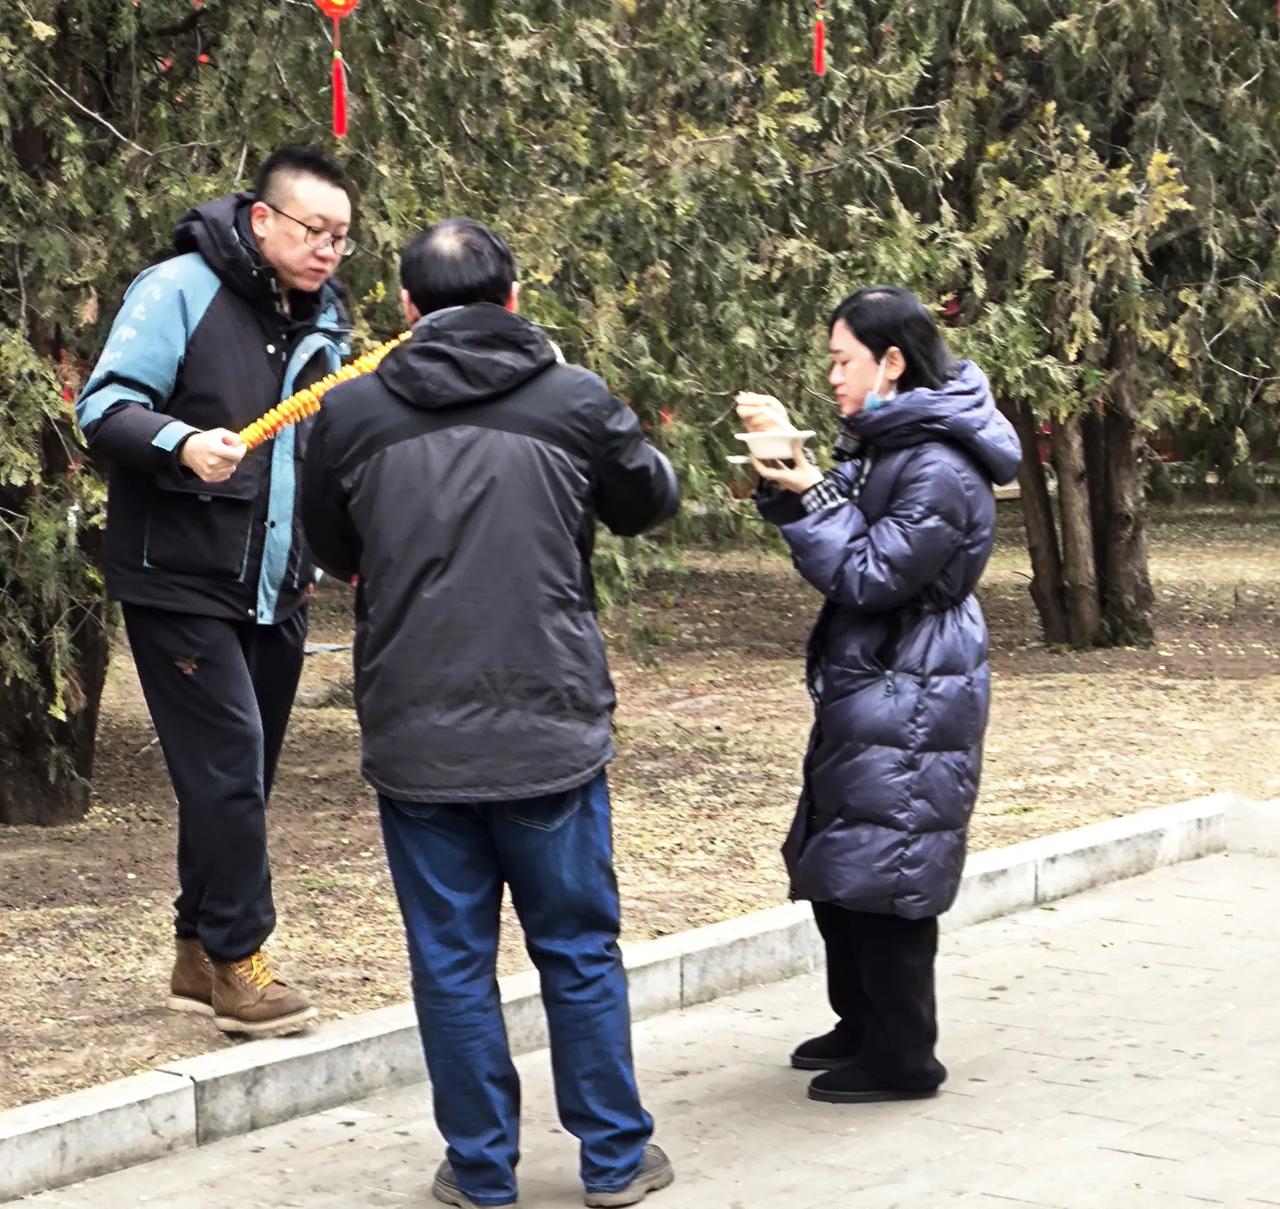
449,863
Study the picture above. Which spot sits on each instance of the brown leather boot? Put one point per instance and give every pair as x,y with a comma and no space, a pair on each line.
248,998
191,983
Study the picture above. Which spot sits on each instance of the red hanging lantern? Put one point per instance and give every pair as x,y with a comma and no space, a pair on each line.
820,41
335,10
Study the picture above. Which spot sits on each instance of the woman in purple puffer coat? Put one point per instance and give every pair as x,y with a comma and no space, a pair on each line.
895,537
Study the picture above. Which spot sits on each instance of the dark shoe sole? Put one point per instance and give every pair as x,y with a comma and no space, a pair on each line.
259,1030
654,1181
882,1096
798,1063
446,1194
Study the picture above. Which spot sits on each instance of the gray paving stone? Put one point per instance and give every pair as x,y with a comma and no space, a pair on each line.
1121,1051
1254,827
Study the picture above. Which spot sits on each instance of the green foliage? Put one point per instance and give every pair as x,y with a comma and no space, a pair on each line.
46,577
687,200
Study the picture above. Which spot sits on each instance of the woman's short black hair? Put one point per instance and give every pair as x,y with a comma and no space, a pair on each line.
455,263
887,316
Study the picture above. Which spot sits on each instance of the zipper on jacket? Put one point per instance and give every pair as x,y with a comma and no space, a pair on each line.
890,684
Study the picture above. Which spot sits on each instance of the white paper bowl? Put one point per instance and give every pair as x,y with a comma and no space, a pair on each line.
774,444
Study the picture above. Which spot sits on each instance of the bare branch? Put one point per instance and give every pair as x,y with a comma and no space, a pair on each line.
97,117
22,289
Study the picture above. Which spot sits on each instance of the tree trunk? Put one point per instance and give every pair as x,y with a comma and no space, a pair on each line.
1042,536
1095,461
46,764
1129,602
1079,579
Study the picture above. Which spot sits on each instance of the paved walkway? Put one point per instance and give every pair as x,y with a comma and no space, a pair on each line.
1119,1050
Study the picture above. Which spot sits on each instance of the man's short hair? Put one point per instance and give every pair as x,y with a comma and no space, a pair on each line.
455,263
288,163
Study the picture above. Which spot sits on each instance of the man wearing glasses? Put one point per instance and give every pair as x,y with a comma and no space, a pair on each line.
205,548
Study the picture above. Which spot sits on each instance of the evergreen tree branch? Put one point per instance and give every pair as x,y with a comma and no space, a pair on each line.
97,117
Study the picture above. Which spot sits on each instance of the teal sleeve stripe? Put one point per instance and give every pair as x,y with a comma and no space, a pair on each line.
171,434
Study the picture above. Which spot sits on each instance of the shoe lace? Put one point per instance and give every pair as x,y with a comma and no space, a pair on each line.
255,969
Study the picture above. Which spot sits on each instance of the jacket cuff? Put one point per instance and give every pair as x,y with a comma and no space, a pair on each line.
777,506
170,440
172,435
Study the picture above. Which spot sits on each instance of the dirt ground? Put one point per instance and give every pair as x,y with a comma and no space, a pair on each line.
711,727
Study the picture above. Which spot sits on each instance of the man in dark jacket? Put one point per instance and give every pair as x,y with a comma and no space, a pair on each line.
204,544
461,483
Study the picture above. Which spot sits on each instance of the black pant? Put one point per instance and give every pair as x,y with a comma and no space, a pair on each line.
880,980
220,693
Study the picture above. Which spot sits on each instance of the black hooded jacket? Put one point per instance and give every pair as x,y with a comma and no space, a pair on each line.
462,483
202,342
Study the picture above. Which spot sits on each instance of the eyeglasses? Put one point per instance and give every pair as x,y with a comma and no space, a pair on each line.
318,237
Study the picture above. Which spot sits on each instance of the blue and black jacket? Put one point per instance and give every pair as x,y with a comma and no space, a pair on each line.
202,342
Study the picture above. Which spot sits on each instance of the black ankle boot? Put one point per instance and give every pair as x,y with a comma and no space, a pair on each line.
850,1084
832,1049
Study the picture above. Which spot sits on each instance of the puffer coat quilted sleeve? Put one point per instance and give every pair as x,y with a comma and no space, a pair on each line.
885,565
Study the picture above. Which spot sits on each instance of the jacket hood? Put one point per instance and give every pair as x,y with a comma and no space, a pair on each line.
962,412
466,355
219,230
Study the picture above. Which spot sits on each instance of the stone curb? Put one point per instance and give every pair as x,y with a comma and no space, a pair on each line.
218,1095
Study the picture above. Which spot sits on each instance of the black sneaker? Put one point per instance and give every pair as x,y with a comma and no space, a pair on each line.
850,1084
655,1172
832,1049
445,1189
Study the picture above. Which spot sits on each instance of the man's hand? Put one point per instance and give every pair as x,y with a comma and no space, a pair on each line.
214,455
761,413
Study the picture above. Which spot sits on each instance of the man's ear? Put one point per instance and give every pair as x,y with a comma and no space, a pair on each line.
513,303
411,312
259,216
